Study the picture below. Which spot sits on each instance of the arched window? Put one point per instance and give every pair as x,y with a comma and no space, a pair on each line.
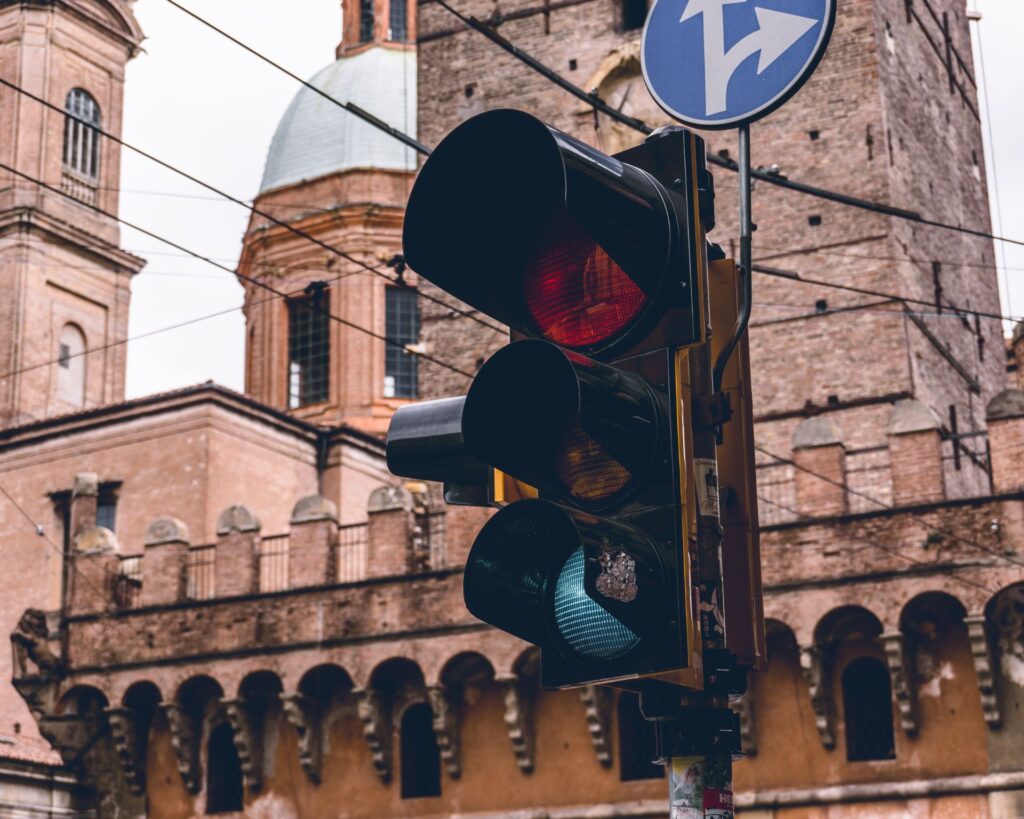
81,137
636,742
867,711
398,15
71,365
366,21
223,772
421,759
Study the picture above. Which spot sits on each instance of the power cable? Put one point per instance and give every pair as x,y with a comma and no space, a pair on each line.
41,532
866,291
639,125
992,156
242,203
888,507
251,280
352,108
782,252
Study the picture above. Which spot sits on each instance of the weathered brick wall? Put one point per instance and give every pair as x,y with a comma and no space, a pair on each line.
867,124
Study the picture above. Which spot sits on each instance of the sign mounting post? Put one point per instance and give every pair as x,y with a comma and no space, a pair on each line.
724,64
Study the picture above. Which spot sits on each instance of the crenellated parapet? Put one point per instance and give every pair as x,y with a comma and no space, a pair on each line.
403,535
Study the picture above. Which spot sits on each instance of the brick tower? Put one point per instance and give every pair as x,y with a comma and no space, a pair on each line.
338,179
66,279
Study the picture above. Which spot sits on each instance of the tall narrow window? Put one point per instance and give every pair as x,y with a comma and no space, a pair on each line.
634,14
421,759
366,21
636,742
308,347
867,711
398,14
71,365
106,506
403,327
81,137
223,772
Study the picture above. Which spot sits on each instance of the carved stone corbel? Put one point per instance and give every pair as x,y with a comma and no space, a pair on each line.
744,706
984,663
71,735
446,728
377,730
125,731
245,733
185,741
518,718
818,683
597,700
903,686
304,714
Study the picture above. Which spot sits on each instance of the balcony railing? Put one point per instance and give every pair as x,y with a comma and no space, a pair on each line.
273,554
78,188
351,558
200,583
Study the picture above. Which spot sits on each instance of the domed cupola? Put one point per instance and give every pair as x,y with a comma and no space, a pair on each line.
316,137
339,348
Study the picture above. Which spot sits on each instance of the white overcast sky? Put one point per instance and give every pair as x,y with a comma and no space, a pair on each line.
201,103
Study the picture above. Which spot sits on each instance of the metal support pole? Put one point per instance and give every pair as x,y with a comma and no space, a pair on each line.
746,235
697,745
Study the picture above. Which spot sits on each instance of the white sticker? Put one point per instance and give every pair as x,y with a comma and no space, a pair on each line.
706,476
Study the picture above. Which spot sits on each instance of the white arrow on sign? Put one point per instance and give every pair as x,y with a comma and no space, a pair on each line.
777,32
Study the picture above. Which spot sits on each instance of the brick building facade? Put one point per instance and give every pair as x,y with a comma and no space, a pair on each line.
297,645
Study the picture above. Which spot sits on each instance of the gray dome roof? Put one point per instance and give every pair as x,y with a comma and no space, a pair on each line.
316,137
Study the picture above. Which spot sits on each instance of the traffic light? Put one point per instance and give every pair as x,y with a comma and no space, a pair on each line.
596,264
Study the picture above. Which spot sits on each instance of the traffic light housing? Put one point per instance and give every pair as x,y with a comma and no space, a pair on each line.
596,264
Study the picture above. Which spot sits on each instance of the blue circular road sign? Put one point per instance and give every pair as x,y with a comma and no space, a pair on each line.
725,63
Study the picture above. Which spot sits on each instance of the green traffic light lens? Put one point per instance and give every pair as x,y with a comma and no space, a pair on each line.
585,626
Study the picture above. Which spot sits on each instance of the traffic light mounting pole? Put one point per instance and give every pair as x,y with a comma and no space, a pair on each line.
746,235
698,743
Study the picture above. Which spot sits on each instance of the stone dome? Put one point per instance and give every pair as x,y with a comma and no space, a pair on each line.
316,137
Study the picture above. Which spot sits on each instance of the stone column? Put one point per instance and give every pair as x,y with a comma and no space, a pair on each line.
166,543
313,541
820,473
915,455
1005,416
95,564
84,501
389,530
238,538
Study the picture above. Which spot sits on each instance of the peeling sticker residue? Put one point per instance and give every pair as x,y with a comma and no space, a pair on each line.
933,688
1013,668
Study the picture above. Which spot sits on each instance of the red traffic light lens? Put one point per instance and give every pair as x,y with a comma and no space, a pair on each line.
577,295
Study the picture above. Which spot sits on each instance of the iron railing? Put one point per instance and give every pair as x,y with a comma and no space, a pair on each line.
351,555
272,556
200,582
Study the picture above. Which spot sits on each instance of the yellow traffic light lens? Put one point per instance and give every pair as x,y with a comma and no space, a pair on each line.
576,294
586,469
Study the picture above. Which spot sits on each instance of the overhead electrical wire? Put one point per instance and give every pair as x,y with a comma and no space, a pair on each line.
889,508
251,280
352,108
242,203
642,127
639,125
